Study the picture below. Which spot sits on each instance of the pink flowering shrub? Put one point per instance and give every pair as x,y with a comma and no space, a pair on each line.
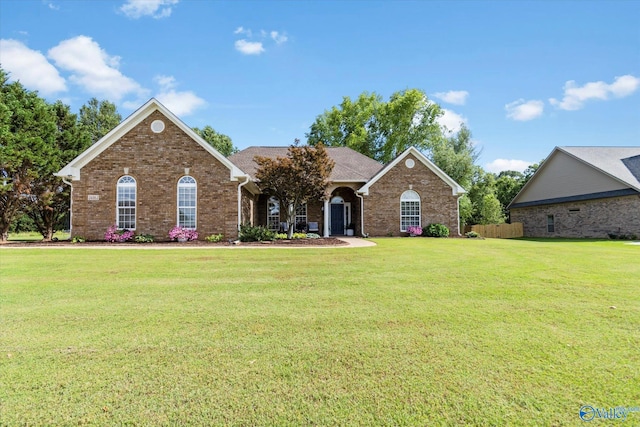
414,229
114,235
178,233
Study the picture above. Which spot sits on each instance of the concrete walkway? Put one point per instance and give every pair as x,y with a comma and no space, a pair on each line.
356,242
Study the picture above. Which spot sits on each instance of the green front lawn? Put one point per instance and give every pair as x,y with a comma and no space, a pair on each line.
35,237
411,332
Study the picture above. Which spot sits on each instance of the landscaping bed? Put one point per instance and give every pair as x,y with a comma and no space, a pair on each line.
326,241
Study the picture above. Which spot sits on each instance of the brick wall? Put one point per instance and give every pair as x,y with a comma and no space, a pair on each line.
591,218
157,161
382,205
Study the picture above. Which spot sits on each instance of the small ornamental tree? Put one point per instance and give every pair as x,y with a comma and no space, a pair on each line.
300,177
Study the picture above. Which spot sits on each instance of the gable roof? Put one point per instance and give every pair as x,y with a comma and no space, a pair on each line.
72,169
350,165
619,165
610,160
456,189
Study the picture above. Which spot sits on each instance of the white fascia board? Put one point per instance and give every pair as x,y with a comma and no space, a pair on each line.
456,189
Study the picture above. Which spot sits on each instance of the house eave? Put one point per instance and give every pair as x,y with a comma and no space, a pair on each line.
456,189
576,198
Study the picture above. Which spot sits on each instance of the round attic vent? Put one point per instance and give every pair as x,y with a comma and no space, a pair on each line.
409,163
157,126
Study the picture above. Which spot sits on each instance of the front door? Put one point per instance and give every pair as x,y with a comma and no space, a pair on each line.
337,219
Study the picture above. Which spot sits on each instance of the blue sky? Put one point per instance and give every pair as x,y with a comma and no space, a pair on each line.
523,76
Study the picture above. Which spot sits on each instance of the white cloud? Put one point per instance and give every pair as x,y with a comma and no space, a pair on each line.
165,82
53,6
456,97
249,48
241,30
499,165
450,122
180,103
522,110
135,9
30,67
278,37
575,96
93,69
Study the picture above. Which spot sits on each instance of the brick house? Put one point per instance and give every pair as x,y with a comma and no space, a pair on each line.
582,192
153,172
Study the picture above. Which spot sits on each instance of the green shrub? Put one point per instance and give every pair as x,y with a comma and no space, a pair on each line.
436,230
78,239
143,238
281,236
313,236
21,224
299,235
214,238
472,234
249,233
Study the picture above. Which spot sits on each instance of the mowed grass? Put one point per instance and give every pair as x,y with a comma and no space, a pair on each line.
410,332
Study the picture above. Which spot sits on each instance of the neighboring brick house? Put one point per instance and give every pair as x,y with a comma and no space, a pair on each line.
582,192
153,172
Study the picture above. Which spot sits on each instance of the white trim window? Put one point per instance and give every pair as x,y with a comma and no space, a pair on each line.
409,210
273,214
126,203
301,215
187,202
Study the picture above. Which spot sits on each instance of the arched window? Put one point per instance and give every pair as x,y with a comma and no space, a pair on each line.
126,203
187,202
409,210
273,214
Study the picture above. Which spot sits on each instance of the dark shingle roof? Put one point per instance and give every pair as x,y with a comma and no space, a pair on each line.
349,164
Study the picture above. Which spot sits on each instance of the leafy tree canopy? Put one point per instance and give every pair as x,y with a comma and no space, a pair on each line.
51,202
98,118
378,129
456,156
300,177
219,141
27,140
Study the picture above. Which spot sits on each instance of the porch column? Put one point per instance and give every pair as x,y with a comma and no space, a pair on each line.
326,218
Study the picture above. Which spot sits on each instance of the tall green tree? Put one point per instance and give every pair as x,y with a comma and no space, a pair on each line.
378,129
352,124
98,118
408,119
219,141
50,197
27,135
508,184
456,156
300,177
485,206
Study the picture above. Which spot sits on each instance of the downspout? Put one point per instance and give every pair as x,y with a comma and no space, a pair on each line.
246,181
458,205
70,204
359,196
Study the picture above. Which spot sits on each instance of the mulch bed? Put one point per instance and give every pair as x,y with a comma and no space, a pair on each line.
200,243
